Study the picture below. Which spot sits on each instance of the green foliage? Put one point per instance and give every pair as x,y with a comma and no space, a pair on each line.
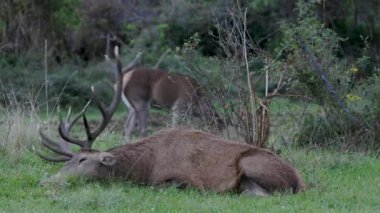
75,27
72,90
132,30
153,39
322,44
348,119
360,20
68,14
258,5
2,25
172,30
24,81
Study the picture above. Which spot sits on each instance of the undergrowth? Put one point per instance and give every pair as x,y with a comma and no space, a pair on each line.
343,182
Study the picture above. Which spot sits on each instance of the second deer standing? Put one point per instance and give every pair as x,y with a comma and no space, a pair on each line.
182,95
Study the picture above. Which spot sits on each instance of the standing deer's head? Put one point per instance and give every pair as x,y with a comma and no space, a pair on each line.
87,162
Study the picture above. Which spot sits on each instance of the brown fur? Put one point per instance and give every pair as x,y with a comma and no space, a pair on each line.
181,94
191,158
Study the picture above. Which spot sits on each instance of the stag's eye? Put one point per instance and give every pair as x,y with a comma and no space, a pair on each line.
82,159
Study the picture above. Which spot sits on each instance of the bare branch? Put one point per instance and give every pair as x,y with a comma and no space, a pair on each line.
157,65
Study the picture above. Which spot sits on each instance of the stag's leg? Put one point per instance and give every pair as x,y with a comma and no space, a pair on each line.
181,181
255,168
269,171
251,188
179,184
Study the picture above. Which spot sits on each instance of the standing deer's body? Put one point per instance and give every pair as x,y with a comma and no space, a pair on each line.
173,156
180,94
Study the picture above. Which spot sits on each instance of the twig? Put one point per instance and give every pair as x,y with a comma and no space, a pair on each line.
317,67
295,95
251,95
64,87
46,80
266,79
9,45
160,59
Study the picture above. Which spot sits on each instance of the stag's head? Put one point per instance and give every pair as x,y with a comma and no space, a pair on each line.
91,164
87,162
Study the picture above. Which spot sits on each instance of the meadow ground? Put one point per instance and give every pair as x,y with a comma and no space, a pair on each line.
341,182
337,182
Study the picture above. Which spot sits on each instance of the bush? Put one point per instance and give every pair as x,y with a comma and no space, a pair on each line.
24,81
349,117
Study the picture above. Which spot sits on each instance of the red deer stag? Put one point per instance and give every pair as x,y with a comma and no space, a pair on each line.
180,94
183,157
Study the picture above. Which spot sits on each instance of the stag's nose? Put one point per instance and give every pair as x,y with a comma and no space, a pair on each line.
57,180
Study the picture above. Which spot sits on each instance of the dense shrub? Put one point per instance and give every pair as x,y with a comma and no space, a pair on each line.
66,85
349,116
74,27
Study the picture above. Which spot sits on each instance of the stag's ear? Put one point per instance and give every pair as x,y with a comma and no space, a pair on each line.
107,159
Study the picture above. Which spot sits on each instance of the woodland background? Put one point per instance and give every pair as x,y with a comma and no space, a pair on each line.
52,51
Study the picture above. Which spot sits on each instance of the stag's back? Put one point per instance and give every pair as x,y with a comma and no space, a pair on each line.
204,161
181,153
209,161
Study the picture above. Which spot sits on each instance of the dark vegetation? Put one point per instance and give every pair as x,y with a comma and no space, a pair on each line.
321,52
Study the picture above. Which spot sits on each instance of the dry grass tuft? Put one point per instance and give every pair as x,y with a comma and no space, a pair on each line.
18,128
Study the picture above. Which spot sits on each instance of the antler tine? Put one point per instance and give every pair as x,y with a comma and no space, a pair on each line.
53,159
52,145
134,63
108,112
65,127
87,128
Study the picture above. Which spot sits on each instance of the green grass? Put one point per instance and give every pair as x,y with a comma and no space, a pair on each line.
341,182
337,181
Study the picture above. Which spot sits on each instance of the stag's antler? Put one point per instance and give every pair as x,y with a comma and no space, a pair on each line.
134,63
64,128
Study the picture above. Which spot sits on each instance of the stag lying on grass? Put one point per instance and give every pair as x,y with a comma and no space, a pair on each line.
184,157
178,93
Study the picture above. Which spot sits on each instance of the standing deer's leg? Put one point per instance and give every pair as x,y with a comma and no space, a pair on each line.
131,120
130,124
142,110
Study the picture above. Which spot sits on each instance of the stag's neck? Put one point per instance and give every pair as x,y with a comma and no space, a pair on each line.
134,162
